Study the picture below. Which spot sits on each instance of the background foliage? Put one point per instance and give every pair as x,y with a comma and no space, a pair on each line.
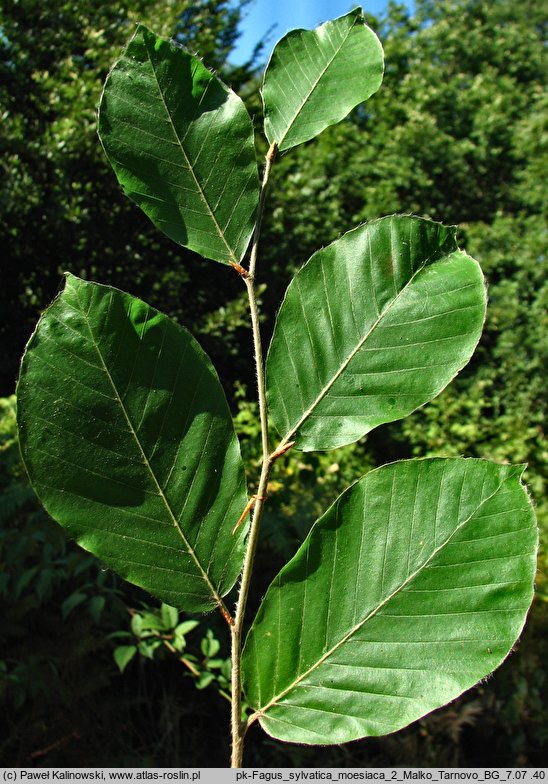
456,133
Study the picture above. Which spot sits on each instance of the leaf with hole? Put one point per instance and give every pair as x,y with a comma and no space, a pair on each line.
181,144
412,587
127,439
315,77
372,327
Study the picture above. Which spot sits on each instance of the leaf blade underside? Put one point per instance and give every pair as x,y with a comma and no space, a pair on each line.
395,603
315,77
127,439
381,321
182,147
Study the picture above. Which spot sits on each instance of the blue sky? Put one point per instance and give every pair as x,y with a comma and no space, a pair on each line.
288,14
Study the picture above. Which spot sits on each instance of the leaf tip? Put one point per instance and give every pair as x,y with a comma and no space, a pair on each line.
520,468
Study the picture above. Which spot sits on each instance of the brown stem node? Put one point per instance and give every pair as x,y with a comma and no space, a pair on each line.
239,269
248,507
281,450
226,615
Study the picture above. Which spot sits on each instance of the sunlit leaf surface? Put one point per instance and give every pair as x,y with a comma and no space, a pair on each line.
127,438
412,587
372,327
315,77
181,144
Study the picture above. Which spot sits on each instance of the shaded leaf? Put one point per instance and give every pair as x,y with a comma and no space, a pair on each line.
413,586
123,655
181,144
72,602
96,605
127,439
315,77
210,645
170,616
24,579
372,327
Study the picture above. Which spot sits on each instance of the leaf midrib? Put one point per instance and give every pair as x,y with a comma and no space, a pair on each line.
218,229
317,81
324,391
190,550
275,700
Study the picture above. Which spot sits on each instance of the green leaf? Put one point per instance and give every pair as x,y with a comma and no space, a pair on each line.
96,605
123,655
179,639
44,583
72,602
413,586
205,680
151,621
181,144
227,669
315,77
170,616
186,626
372,327
215,664
127,439
137,625
179,642
210,645
147,648
24,579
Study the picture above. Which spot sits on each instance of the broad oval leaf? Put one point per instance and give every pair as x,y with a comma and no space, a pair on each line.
372,327
315,77
412,587
127,439
181,144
